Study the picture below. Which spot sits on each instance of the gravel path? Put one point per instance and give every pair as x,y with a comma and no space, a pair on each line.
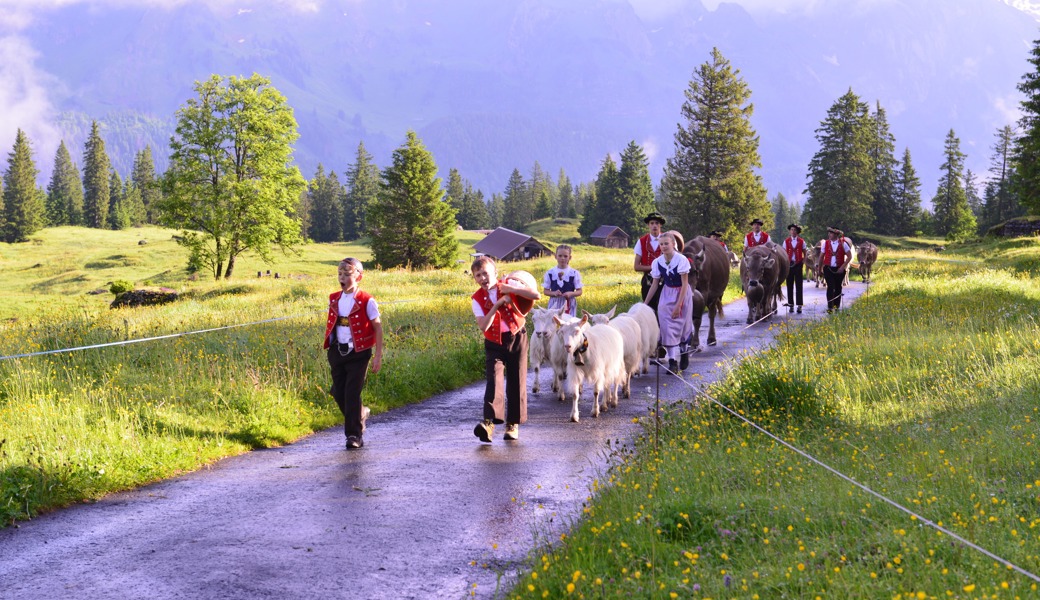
422,511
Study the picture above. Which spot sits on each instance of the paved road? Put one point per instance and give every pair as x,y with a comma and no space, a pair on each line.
423,511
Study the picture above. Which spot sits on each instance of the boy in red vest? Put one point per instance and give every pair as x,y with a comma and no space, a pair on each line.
647,249
505,351
756,237
835,257
352,330
794,245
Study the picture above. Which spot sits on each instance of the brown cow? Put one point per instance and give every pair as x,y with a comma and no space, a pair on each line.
762,274
867,257
812,256
711,262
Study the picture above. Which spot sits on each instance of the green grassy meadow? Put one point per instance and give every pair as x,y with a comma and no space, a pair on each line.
76,426
927,390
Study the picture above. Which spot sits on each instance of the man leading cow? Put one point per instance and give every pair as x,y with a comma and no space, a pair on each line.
835,257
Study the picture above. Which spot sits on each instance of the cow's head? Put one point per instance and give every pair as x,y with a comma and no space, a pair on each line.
756,264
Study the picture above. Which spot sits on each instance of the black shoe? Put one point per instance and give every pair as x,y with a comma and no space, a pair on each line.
673,366
484,430
684,361
799,310
354,442
661,352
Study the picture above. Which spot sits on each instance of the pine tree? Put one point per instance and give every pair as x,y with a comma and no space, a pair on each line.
971,192
1026,183
96,180
134,201
455,194
143,178
710,181
607,206
953,217
326,205
23,207
496,211
362,187
784,213
544,209
841,174
1001,203
516,201
584,197
542,192
474,209
565,192
65,191
303,210
907,194
410,223
635,191
118,212
882,153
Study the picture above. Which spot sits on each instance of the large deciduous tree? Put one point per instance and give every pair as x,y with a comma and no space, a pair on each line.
410,223
953,216
231,184
710,181
23,208
97,173
65,191
842,174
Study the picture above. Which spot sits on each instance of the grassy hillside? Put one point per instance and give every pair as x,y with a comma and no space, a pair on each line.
926,390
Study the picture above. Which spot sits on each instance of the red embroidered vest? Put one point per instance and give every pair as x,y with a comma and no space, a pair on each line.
795,251
749,239
514,319
649,254
828,252
361,328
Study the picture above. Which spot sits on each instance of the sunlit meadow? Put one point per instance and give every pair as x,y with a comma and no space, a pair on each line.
75,426
927,391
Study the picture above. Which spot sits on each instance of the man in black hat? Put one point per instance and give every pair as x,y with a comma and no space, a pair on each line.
647,249
794,245
755,237
717,236
835,257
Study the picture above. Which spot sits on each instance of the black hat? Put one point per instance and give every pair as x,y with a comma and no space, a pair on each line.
715,233
835,230
798,227
759,221
654,216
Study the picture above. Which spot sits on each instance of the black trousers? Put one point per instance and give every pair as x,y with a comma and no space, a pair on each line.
644,286
348,378
505,366
794,284
834,279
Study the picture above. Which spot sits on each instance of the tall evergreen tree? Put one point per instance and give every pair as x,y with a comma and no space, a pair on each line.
144,179
607,206
907,194
517,203
635,191
1026,183
326,205
882,153
474,209
841,174
784,213
118,212
96,180
23,208
543,193
565,193
710,181
496,211
410,223
953,217
971,192
304,209
544,209
134,202
362,187
584,197
65,191
1001,202
455,194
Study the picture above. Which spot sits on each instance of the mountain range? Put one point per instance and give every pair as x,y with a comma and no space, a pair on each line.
493,86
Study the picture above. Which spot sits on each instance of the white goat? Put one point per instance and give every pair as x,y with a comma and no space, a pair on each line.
538,350
595,354
648,325
632,337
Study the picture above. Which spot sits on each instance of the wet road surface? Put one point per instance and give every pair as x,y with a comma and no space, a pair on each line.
422,511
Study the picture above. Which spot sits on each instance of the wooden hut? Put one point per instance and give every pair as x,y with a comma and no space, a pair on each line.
508,245
609,236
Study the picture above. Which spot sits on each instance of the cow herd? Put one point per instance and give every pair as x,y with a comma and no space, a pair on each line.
606,351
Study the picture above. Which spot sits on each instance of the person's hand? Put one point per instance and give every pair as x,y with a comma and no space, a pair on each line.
377,363
676,312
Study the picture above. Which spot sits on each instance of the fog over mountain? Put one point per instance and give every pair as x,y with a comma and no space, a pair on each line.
492,86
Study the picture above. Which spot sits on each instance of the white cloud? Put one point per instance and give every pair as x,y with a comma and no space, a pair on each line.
16,15
23,100
832,60
651,149
1008,108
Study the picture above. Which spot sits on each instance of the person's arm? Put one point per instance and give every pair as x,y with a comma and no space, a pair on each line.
653,289
377,354
523,292
484,321
638,265
677,311
848,259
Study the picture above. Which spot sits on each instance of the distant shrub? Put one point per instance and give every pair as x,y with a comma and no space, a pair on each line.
120,285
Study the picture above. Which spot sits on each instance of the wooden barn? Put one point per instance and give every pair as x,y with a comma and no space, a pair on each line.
609,236
508,245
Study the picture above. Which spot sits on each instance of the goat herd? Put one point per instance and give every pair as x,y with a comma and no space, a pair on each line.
606,351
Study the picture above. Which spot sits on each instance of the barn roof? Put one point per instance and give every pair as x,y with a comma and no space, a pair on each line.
502,242
605,231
